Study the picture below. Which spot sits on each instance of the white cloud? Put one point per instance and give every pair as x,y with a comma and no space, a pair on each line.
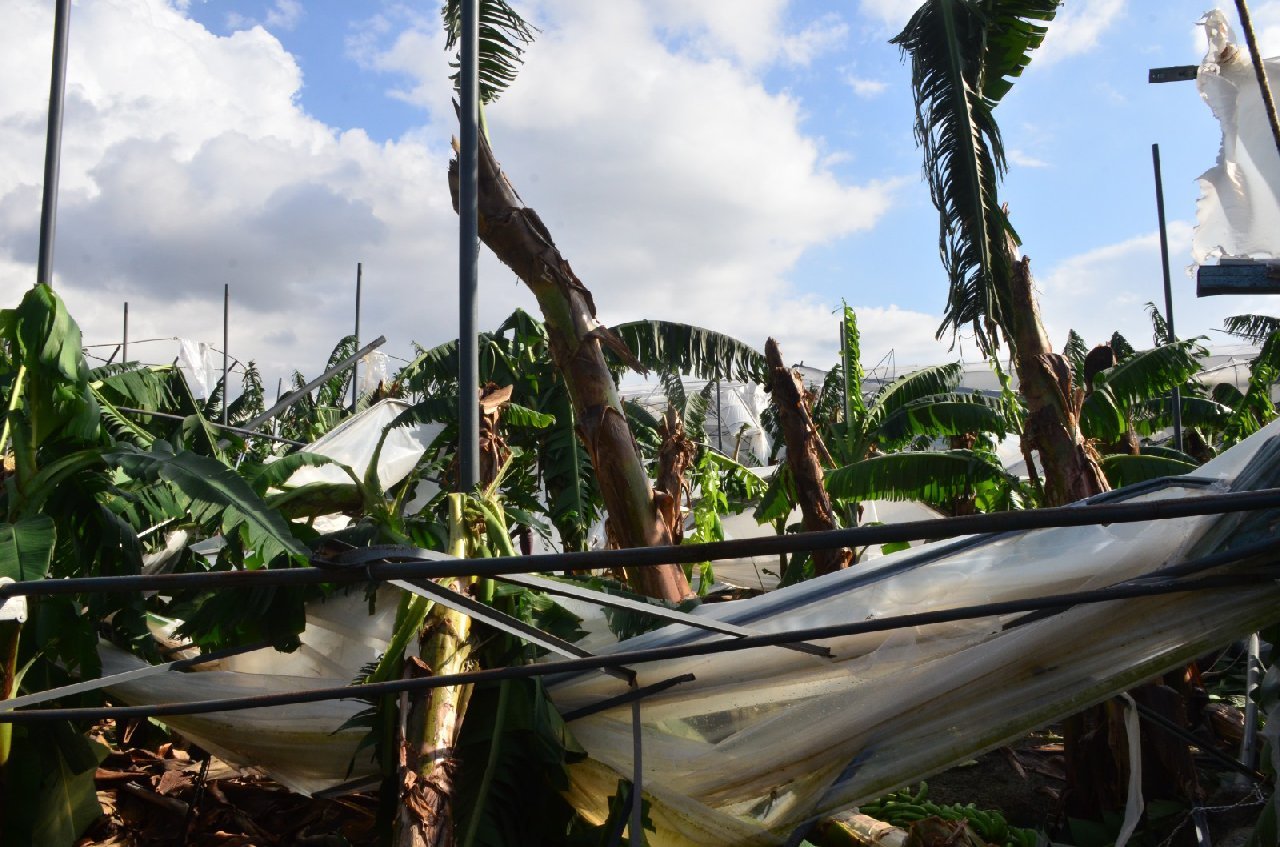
1104,290
675,183
284,14
894,14
867,87
1077,29
1025,160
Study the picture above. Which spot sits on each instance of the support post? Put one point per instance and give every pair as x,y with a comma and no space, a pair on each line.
355,369
468,252
1176,398
226,333
124,355
53,141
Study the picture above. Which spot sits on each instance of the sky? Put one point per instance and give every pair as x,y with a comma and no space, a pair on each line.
743,165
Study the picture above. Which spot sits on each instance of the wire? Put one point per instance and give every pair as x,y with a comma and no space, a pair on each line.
369,691
392,562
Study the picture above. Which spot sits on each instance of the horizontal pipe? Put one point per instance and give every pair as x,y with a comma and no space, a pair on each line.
368,691
424,564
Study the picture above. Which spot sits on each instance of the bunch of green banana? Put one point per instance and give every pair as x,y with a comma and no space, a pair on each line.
902,808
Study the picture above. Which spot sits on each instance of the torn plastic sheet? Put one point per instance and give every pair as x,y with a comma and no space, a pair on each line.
1238,214
353,441
762,741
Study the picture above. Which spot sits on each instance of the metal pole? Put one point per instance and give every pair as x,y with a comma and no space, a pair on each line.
1168,290
226,332
1259,70
124,357
468,252
53,142
355,369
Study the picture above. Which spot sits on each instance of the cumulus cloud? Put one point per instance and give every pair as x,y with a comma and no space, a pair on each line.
1077,29
1104,290
1025,160
867,87
677,184
894,14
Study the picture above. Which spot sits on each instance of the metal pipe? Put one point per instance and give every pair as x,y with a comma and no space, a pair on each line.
124,356
1260,71
387,563
1253,677
469,251
635,657
1168,290
226,331
355,369
53,141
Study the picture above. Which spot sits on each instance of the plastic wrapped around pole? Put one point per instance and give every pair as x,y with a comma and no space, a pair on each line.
1238,215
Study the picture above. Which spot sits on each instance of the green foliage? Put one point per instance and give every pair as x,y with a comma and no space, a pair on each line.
903,808
1122,470
1074,352
1159,327
1256,328
513,751
684,349
1252,410
503,37
26,548
964,56
1139,379
937,478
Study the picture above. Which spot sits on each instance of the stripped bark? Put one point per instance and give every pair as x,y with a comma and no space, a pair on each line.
804,453
675,455
521,241
1069,462
424,816
1096,750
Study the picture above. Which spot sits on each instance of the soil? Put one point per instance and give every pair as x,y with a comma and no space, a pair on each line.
156,793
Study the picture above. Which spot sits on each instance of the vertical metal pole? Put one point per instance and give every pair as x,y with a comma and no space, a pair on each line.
125,347
53,141
226,333
355,369
275,422
1253,676
468,252
635,830
1168,290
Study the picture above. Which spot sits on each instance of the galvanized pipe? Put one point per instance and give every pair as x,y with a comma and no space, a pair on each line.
469,252
53,141
1168,290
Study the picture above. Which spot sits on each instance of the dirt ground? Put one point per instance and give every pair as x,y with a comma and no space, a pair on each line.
158,794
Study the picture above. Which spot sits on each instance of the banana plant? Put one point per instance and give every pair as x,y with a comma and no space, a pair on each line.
80,482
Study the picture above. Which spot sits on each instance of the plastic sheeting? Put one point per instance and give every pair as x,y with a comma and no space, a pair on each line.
353,441
766,739
201,366
1239,209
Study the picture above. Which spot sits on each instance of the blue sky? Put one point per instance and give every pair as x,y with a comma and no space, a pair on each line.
739,165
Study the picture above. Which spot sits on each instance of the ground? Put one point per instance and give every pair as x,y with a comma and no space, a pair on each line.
156,793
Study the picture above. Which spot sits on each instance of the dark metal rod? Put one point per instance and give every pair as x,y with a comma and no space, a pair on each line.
635,831
295,396
406,564
1168,290
226,344
1188,737
469,251
1259,70
124,356
53,141
652,654
623,699
238,430
355,369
